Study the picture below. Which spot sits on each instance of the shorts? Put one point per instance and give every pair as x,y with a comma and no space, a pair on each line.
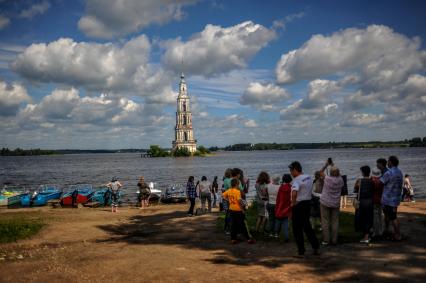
114,198
390,212
144,196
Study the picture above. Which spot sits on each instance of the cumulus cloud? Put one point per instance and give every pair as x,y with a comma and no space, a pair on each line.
250,123
363,120
109,18
95,66
321,99
366,51
217,49
264,96
101,67
11,97
67,107
377,78
34,10
4,21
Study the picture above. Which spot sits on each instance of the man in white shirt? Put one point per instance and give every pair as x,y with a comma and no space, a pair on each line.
301,193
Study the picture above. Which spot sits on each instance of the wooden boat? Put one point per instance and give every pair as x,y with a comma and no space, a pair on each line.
44,194
77,194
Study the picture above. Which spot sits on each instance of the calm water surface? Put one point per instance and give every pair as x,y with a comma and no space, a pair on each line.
97,169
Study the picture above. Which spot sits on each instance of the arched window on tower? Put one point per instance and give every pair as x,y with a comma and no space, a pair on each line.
184,106
184,120
186,136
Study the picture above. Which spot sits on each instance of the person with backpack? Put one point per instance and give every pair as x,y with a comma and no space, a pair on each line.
144,192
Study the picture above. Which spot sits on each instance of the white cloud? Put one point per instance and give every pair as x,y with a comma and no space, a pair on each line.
67,107
109,18
35,9
92,65
4,22
379,54
216,49
264,96
250,123
102,67
282,23
329,108
363,120
11,97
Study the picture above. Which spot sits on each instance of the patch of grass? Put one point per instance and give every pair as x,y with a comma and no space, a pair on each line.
13,229
347,232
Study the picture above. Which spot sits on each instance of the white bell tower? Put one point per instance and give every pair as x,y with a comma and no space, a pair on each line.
184,134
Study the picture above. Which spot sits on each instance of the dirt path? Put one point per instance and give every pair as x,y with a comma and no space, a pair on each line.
161,244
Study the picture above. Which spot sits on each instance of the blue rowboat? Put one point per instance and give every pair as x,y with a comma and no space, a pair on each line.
101,196
26,199
44,194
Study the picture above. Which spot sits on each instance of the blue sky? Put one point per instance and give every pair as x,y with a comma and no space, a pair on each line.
104,74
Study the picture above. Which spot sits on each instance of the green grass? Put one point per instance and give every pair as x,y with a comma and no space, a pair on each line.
17,228
347,232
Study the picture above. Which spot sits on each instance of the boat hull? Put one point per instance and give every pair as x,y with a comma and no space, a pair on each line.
76,197
42,198
25,200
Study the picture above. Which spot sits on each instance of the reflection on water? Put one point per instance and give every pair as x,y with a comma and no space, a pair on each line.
97,169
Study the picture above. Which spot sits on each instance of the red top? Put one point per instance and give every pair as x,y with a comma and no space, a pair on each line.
378,190
283,206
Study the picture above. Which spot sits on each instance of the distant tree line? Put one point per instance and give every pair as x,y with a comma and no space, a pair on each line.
156,151
25,152
415,142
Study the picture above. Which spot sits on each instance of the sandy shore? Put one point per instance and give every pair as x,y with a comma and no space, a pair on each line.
161,244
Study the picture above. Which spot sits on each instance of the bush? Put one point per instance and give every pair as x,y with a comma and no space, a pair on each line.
156,151
202,150
181,152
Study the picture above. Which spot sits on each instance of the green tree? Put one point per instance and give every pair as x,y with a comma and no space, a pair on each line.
181,152
156,151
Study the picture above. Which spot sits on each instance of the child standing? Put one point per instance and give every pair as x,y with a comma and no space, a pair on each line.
283,206
234,198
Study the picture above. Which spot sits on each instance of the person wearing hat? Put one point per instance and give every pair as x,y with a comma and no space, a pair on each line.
301,193
115,186
377,202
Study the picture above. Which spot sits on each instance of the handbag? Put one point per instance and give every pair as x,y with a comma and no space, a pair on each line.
355,202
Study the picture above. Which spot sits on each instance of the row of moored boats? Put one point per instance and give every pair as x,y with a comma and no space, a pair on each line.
78,194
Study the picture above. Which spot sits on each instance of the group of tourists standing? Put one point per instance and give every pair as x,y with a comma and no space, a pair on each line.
306,200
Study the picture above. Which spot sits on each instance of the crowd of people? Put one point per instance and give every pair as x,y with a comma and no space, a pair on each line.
309,202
